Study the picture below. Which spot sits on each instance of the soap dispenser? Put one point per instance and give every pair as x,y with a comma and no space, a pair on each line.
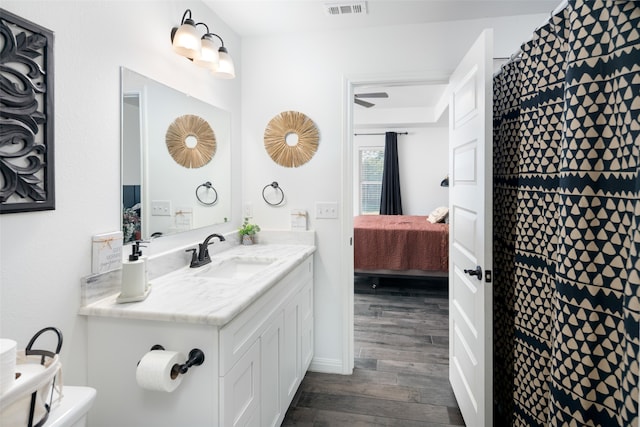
134,277
143,258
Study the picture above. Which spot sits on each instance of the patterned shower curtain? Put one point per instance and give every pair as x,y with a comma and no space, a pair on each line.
567,221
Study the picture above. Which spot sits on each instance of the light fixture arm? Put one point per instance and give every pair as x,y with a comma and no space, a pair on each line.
205,26
185,20
184,17
214,34
208,32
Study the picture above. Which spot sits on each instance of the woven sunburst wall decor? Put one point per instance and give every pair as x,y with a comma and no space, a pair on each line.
275,139
204,148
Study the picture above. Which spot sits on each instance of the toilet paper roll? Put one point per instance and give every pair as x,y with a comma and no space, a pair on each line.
7,364
154,371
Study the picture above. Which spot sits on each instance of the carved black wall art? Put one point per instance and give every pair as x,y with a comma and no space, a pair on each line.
26,116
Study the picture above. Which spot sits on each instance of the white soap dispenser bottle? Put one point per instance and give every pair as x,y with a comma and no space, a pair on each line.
143,258
134,278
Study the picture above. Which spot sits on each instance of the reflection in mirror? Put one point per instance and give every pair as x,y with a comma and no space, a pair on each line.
158,194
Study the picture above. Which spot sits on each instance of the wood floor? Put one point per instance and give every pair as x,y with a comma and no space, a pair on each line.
401,366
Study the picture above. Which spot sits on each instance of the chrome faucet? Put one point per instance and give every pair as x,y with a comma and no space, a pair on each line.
200,256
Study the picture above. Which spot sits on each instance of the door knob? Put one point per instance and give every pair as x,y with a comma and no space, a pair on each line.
477,272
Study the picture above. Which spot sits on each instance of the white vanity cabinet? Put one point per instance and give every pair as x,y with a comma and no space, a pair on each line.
265,352
254,362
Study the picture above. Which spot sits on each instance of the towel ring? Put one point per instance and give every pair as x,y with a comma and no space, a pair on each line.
210,187
276,187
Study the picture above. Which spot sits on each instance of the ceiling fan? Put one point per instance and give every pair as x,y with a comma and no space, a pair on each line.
357,98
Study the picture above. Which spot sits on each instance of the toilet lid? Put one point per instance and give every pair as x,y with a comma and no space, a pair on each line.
75,404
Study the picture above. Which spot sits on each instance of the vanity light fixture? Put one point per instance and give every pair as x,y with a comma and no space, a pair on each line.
202,50
186,39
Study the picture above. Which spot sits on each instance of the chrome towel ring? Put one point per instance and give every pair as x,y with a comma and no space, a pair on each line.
276,188
208,186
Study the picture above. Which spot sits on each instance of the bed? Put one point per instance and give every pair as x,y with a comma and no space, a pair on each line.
400,246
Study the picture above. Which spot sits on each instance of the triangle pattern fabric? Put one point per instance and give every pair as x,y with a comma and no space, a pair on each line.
567,221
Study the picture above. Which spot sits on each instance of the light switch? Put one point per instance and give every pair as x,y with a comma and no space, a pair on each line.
326,210
161,207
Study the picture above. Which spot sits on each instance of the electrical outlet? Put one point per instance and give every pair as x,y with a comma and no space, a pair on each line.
248,210
161,208
326,210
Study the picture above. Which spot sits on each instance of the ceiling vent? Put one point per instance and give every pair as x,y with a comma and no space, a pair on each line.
346,8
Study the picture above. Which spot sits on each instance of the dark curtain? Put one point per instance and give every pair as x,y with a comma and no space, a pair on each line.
390,200
567,221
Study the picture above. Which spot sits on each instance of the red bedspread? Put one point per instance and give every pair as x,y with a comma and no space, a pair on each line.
400,242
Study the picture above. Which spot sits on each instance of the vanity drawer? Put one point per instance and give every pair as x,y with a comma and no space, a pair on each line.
238,335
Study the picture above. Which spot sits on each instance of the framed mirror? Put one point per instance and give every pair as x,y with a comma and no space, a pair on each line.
160,195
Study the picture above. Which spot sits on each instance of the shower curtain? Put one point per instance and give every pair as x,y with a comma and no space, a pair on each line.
567,221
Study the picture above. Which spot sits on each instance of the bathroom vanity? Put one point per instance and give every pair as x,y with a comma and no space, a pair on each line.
250,311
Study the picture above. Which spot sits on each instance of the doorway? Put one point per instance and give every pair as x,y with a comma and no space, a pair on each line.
351,86
470,184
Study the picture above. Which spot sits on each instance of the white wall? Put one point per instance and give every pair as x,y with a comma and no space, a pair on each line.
131,142
43,255
306,73
422,159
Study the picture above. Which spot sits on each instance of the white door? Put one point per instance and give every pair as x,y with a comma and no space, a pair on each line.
470,204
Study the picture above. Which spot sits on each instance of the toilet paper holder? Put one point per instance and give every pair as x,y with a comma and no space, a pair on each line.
196,358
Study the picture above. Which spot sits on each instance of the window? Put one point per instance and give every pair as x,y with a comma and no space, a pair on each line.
371,166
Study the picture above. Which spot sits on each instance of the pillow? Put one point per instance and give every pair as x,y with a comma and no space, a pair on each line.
438,215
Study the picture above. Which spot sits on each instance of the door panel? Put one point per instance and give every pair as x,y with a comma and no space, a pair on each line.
465,104
470,199
306,326
271,353
464,233
464,163
239,391
291,355
465,301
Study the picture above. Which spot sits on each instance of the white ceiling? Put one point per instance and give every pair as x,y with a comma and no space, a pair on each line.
412,96
268,17
407,106
262,17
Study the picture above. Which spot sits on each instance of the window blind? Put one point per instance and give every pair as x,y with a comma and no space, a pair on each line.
371,167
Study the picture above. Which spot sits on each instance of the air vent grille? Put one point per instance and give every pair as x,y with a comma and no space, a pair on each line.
346,8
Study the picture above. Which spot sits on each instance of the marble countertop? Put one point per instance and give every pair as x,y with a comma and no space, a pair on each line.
182,296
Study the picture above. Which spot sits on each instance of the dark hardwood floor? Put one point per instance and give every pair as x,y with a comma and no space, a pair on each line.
401,366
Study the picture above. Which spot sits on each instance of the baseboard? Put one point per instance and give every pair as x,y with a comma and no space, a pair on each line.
326,366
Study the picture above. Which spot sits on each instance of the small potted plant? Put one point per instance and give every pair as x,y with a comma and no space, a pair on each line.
248,232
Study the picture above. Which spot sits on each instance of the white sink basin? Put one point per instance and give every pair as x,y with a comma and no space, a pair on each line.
236,268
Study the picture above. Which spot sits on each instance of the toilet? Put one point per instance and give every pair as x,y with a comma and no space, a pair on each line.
30,386
72,409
